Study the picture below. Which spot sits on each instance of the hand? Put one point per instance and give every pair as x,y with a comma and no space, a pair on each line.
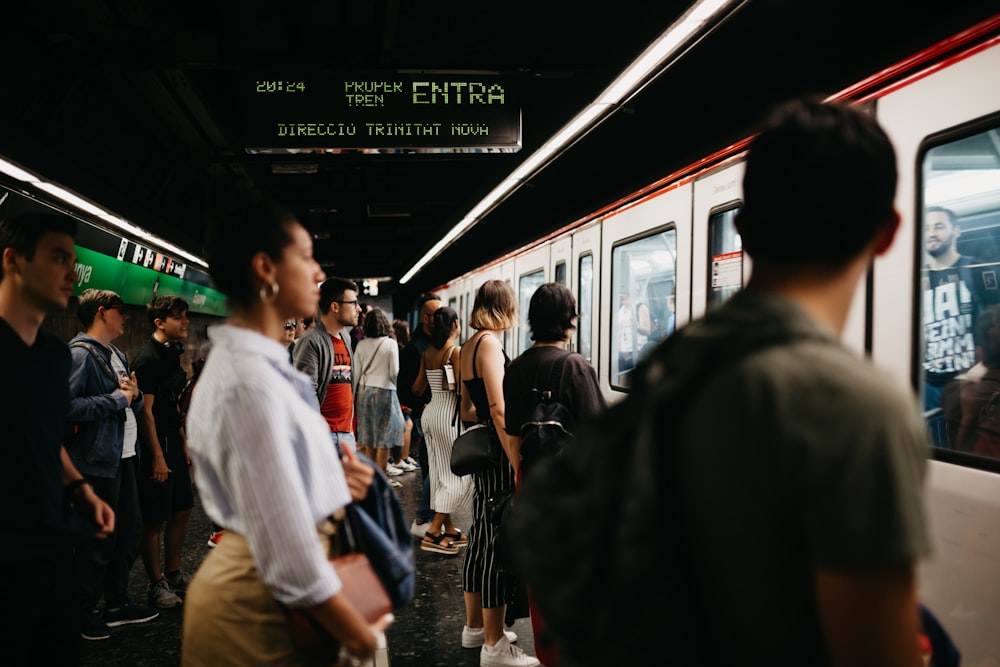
358,473
349,659
130,387
160,469
91,506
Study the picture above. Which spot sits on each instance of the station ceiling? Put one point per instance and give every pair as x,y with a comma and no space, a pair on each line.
139,104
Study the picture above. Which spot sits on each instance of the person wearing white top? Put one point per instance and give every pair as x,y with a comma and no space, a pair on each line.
380,419
262,456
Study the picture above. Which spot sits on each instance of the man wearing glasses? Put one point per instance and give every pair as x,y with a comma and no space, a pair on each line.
325,354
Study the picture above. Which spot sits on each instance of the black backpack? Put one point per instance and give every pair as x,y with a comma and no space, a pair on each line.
551,423
591,532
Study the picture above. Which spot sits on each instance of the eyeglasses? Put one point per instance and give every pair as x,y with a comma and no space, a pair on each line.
348,303
290,325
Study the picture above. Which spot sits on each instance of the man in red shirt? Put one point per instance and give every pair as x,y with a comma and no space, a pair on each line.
325,354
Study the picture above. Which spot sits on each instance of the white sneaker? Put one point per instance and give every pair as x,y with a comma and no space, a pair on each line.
474,637
405,465
412,462
418,530
505,654
392,470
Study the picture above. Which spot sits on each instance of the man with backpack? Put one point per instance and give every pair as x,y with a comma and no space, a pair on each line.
547,392
105,400
758,498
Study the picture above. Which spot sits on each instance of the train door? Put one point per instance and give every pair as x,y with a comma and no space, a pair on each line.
645,252
530,272
586,272
935,327
560,266
719,267
506,272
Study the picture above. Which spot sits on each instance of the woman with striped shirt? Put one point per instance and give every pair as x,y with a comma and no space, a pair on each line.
262,455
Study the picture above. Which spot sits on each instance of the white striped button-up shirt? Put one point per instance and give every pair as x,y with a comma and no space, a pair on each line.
264,463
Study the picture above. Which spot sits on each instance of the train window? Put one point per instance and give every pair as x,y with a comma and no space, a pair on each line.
560,272
527,285
643,287
585,288
725,254
960,291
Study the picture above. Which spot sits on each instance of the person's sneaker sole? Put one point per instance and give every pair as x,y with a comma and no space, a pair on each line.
476,640
144,618
95,636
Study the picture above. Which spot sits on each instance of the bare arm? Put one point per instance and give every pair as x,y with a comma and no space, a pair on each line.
870,618
148,426
420,382
491,369
343,621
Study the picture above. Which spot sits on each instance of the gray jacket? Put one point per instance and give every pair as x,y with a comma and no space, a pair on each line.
313,355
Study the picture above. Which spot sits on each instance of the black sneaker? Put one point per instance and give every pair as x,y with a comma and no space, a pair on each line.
128,614
93,627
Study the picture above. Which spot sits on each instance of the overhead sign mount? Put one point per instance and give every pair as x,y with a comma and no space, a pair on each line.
381,112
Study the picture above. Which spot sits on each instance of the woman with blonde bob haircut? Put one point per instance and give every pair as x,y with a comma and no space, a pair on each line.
486,587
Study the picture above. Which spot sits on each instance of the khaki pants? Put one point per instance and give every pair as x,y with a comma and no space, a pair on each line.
231,618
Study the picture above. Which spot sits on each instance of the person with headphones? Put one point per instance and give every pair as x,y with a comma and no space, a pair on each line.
166,495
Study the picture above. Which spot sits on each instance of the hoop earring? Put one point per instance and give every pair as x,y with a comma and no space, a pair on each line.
268,292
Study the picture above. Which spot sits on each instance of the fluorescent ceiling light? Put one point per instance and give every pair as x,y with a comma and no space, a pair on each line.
656,58
14,171
86,206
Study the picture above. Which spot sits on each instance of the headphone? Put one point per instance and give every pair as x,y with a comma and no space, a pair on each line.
175,345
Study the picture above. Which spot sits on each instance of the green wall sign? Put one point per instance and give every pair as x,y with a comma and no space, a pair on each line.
137,285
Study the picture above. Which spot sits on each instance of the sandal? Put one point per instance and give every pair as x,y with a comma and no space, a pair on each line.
437,544
458,538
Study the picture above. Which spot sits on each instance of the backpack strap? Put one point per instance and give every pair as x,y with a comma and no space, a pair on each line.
101,361
364,373
555,377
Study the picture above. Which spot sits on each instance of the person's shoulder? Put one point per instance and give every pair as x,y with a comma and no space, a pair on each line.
52,341
578,361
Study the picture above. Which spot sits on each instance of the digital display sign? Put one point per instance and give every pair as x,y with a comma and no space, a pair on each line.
381,112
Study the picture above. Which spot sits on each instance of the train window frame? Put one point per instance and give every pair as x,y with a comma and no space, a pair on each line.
560,274
722,263
942,139
616,357
584,328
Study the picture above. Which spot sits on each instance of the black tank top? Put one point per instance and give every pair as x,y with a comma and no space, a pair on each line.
477,388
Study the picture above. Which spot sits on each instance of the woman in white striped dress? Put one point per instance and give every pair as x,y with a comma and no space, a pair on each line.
440,368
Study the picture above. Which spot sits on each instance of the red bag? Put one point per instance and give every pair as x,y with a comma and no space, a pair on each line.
361,586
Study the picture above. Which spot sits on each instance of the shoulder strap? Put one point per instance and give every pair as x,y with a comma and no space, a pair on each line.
101,361
475,351
446,357
555,377
364,373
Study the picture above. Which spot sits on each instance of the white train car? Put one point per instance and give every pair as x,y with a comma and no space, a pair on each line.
667,254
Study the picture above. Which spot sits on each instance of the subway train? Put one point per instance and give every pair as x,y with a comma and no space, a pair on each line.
662,256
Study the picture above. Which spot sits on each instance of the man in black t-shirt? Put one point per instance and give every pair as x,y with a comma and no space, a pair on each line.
956,289
165,491
39,616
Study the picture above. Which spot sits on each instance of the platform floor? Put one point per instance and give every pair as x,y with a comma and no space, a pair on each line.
426,633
